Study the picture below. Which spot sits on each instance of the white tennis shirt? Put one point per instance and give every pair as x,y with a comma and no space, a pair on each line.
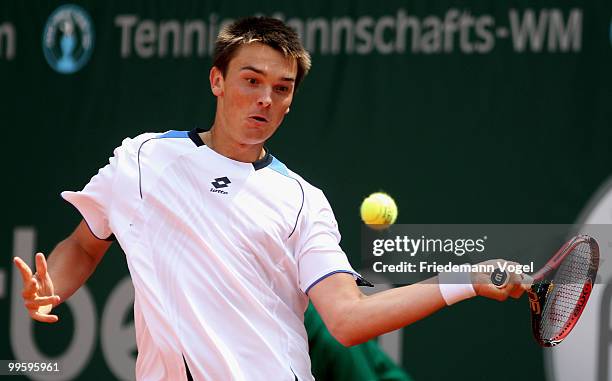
221,253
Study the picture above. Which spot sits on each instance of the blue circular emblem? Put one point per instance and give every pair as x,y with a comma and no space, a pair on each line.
68,39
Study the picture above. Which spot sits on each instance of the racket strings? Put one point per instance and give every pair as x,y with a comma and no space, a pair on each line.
567,285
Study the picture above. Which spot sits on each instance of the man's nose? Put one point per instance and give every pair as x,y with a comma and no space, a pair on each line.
265,97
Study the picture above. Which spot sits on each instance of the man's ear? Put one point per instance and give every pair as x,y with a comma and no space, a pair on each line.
216,81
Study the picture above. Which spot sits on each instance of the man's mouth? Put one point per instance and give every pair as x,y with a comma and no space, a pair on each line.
259,118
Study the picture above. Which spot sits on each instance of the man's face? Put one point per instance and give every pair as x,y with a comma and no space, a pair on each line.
255,93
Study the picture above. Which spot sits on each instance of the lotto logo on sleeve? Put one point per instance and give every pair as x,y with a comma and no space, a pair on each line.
220,182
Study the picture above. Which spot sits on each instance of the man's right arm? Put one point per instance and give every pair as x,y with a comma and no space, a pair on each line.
74,259
69,266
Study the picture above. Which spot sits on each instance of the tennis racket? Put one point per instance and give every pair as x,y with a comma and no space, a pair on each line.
560,289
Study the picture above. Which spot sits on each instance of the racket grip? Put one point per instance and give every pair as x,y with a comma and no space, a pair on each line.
500,278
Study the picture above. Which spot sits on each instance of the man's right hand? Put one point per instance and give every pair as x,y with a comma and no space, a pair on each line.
38,293
515,287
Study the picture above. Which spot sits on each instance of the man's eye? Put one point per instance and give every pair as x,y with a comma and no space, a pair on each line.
252,81
282,89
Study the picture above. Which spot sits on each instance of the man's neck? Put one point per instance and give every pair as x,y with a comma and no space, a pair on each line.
223,145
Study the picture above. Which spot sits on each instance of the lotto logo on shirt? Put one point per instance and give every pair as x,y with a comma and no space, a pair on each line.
220,182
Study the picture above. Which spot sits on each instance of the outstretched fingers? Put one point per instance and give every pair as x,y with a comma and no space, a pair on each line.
24,269
43,317
41,265
39,307
42,301
30,289
30,285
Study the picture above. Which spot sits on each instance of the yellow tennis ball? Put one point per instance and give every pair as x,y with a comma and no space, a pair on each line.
378,210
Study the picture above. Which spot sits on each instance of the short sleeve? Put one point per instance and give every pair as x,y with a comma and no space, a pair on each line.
318,250
94,201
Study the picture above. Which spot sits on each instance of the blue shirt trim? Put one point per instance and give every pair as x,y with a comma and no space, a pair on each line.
174,134
278,166
327,275
358,279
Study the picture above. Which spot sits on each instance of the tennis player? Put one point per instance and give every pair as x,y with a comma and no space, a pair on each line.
225,245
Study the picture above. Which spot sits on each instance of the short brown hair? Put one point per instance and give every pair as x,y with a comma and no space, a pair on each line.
266,30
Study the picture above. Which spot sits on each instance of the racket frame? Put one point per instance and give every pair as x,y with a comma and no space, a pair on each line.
541,288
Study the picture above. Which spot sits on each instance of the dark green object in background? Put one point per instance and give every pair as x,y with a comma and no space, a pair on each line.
332,361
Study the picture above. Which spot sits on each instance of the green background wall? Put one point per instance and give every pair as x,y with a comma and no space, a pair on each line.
472,125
